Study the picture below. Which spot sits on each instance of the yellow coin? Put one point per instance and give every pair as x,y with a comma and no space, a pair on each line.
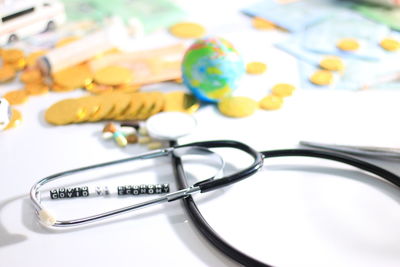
332,63
16,119
271,102
113,75
62,112
283,89
19,64
322,77
105,107
256,68
181,101
158,104
121,104
33,57
390,44
95,88
74,77
7,73
87,107
348,44
237,107
36,88
12,55
146,107
31,75
187,30
66,41
134,107
16,97
262,24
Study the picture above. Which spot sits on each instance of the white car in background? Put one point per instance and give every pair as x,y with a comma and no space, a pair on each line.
22,18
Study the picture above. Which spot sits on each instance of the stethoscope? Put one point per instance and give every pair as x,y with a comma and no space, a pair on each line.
185,191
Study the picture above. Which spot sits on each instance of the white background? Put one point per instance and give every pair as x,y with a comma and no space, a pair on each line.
291,219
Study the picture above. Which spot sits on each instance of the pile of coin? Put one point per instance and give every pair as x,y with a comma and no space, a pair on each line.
118,106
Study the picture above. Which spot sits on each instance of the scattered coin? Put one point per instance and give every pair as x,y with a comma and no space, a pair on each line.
322,77
271,102
390,44
7,73
283,89
36,89
237,107
74,77
348,44
187,30
16,97
256,68
31,75
332,63
12,55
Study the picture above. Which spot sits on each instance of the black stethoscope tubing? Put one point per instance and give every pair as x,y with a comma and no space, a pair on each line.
218,242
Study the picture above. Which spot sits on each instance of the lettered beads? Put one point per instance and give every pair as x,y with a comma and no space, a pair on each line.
143,189
69,192
73,192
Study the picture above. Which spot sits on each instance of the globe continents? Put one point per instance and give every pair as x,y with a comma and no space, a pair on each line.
211,68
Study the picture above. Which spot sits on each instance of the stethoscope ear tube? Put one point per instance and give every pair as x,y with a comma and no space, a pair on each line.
209,185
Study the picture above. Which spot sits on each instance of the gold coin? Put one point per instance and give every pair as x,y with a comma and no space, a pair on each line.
12,55
19,64
187,30
237,107
322,77
181,101
146,107
31,75
271,102
16,119
74,77
113,75
16,97
158,104
262,24
390,44
348,44
256,68
135,105
121,103
60,89
7,73
62,112
283,89
66,41
332,63
105,107
87,107
36,88
98,88
33,57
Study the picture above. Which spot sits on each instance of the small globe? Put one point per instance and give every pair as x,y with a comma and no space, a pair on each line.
211,68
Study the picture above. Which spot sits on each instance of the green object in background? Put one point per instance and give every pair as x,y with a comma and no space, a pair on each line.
154,14
385,15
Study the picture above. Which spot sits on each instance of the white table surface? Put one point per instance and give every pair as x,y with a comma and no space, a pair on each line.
288,220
